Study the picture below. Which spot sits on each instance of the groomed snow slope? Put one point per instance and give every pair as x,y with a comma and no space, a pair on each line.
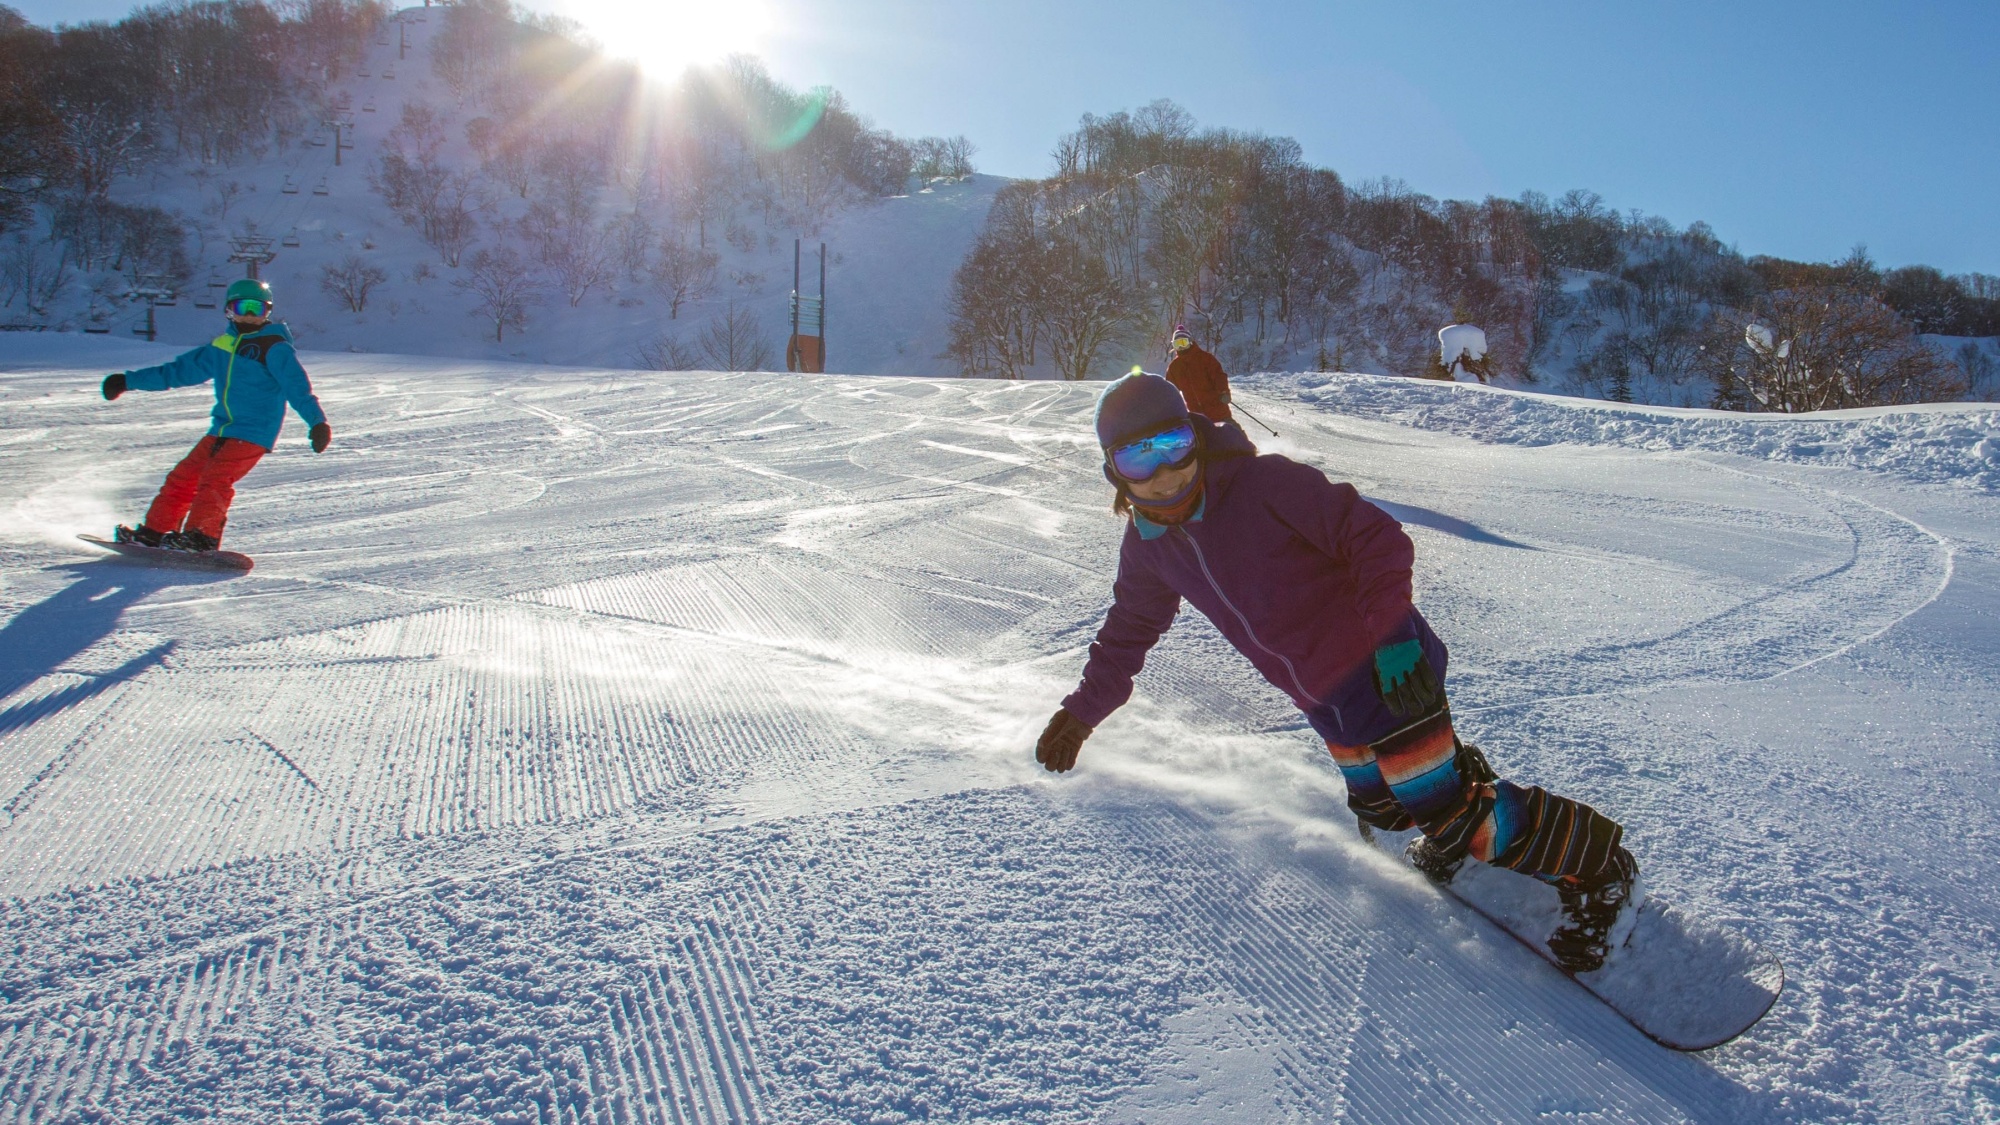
592,746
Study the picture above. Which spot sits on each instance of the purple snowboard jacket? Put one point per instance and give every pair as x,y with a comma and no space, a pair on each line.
1301,574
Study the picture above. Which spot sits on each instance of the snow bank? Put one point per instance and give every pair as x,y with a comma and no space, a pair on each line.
1953,443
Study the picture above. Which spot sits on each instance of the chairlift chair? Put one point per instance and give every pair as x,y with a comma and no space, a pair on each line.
320,187
291,186
291,239
364,74
368,106
204,302
389,74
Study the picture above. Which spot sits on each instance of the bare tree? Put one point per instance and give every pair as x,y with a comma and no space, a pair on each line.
572,173
937,158
955,158
226,193
683,273
350,281
1978,366
152,242
484,135
418,134
582,261
1085,307
473,45
631,240
1823,348
996,293
449,226
811,183
735,342
33,273
504,286
510,166
32,153
667,353
698,174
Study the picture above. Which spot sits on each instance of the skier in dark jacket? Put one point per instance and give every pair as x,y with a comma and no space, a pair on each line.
1312,583
1200,378
256,373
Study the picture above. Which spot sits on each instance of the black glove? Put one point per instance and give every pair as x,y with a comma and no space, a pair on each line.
114,385
322,436
1060,741
1404,677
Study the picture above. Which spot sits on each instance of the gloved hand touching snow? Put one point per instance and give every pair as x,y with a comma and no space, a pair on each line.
322,436
1060,741
114,385
1404,677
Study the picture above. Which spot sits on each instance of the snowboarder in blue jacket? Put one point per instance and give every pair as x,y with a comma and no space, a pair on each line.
256,373
1311,583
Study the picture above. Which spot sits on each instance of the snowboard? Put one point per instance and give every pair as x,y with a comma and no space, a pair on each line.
193,560
1687,982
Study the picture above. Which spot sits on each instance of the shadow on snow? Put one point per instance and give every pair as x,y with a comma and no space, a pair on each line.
38,641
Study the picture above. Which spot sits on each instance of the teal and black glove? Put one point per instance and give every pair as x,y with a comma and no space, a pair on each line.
114,385
1404,676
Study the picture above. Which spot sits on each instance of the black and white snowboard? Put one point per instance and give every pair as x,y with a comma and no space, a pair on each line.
1685,981
195,560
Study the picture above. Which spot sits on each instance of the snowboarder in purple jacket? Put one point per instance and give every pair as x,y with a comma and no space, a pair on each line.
1312,584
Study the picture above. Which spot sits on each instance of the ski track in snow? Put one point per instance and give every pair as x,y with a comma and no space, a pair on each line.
602,747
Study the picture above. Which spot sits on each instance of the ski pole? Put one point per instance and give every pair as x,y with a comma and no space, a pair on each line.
1252,417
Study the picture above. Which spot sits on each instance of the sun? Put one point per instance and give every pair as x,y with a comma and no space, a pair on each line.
665,37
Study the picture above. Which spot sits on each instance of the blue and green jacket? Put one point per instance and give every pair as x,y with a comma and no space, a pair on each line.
255,374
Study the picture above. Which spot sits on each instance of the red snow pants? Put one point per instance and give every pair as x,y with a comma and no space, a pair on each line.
197,492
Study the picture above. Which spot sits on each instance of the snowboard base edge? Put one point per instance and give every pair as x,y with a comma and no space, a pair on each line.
1650,979
191,560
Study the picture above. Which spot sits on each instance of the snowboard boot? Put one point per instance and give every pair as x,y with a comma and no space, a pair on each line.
1597,916
142,535
1437,863
197,542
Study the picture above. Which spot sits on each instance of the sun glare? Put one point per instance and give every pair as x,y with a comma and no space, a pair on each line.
665,37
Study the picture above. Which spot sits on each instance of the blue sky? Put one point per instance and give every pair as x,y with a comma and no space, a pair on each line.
1793,128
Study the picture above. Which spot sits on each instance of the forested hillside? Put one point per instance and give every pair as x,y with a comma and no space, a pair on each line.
480,181
1148,220
470,180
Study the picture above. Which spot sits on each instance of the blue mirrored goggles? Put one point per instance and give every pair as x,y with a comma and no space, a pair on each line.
248,306
1168,449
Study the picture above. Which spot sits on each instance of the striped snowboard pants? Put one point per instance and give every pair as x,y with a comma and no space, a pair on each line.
1423,776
